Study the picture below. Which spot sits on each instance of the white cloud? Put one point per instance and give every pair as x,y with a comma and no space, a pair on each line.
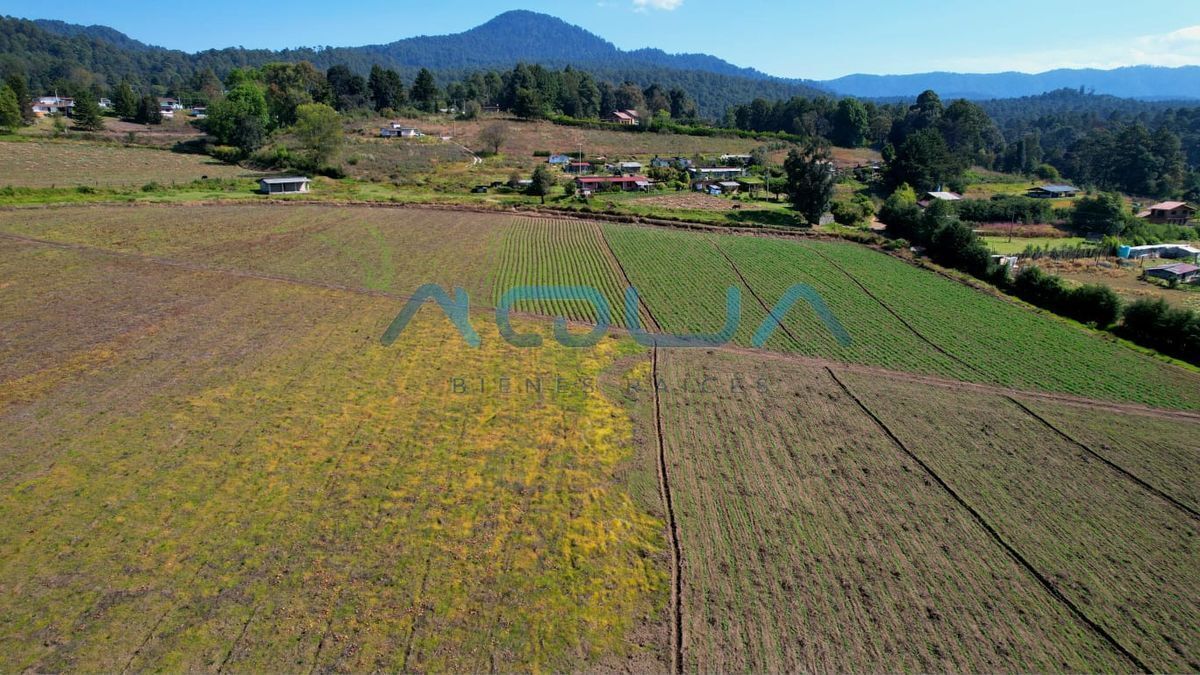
665,5
1177,48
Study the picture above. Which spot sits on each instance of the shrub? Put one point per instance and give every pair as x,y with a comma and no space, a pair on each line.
1094,304
226,153
1172,331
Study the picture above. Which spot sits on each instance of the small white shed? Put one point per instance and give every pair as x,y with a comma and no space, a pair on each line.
285,185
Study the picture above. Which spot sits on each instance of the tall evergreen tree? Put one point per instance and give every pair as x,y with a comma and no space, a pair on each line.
148,111
125,102
20,89
810,180
10,112
424,91
87,111
386,88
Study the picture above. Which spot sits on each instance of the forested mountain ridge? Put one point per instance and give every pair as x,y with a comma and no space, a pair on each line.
47,51
50,53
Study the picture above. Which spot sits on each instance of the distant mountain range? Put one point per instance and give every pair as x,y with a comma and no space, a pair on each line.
1145,82
47,49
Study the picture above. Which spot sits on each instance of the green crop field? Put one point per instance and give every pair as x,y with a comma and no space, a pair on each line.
558,253
211,462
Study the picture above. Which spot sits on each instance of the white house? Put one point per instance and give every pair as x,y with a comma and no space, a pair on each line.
53,105
285,185
396,129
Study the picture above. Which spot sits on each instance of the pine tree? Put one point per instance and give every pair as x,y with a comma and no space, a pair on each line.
126,102
810,181
20,89
87,112
148,111
425,91
10,111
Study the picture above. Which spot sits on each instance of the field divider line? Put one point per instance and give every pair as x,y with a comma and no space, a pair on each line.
664,482
1109,463
895,314
654,325
994,533
241,635
746,282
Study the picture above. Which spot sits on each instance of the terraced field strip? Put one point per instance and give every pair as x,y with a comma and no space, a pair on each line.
813,543
560,253
684,280
877,337
899,317
1114,549
387,250
68,164
1108,462
1164,453
1013,346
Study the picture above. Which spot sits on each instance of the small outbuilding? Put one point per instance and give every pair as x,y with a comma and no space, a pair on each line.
285,185
1052,191
1181,273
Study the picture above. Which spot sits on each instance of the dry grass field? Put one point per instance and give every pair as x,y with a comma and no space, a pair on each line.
527,137
209,470
72,164
211,462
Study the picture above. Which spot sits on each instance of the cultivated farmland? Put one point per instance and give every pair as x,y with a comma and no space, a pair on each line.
218,471
561,254
69,164
810,542
211,462
1111,545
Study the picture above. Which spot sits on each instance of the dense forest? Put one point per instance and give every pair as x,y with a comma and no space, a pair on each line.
1143,149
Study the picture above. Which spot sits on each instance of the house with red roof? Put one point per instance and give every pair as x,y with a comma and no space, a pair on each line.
1169,213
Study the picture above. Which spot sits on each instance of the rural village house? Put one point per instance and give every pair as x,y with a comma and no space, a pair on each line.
938,196
398,130
1169,213
53,105
590,184
626,117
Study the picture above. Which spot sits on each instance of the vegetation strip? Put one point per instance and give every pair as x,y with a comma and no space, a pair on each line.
1016,555
664,485
672,525
1111,464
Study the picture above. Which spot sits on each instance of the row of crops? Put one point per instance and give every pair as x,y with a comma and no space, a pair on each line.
896,316
565,262
1010,345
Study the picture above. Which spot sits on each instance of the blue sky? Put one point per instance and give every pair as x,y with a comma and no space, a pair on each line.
793,38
